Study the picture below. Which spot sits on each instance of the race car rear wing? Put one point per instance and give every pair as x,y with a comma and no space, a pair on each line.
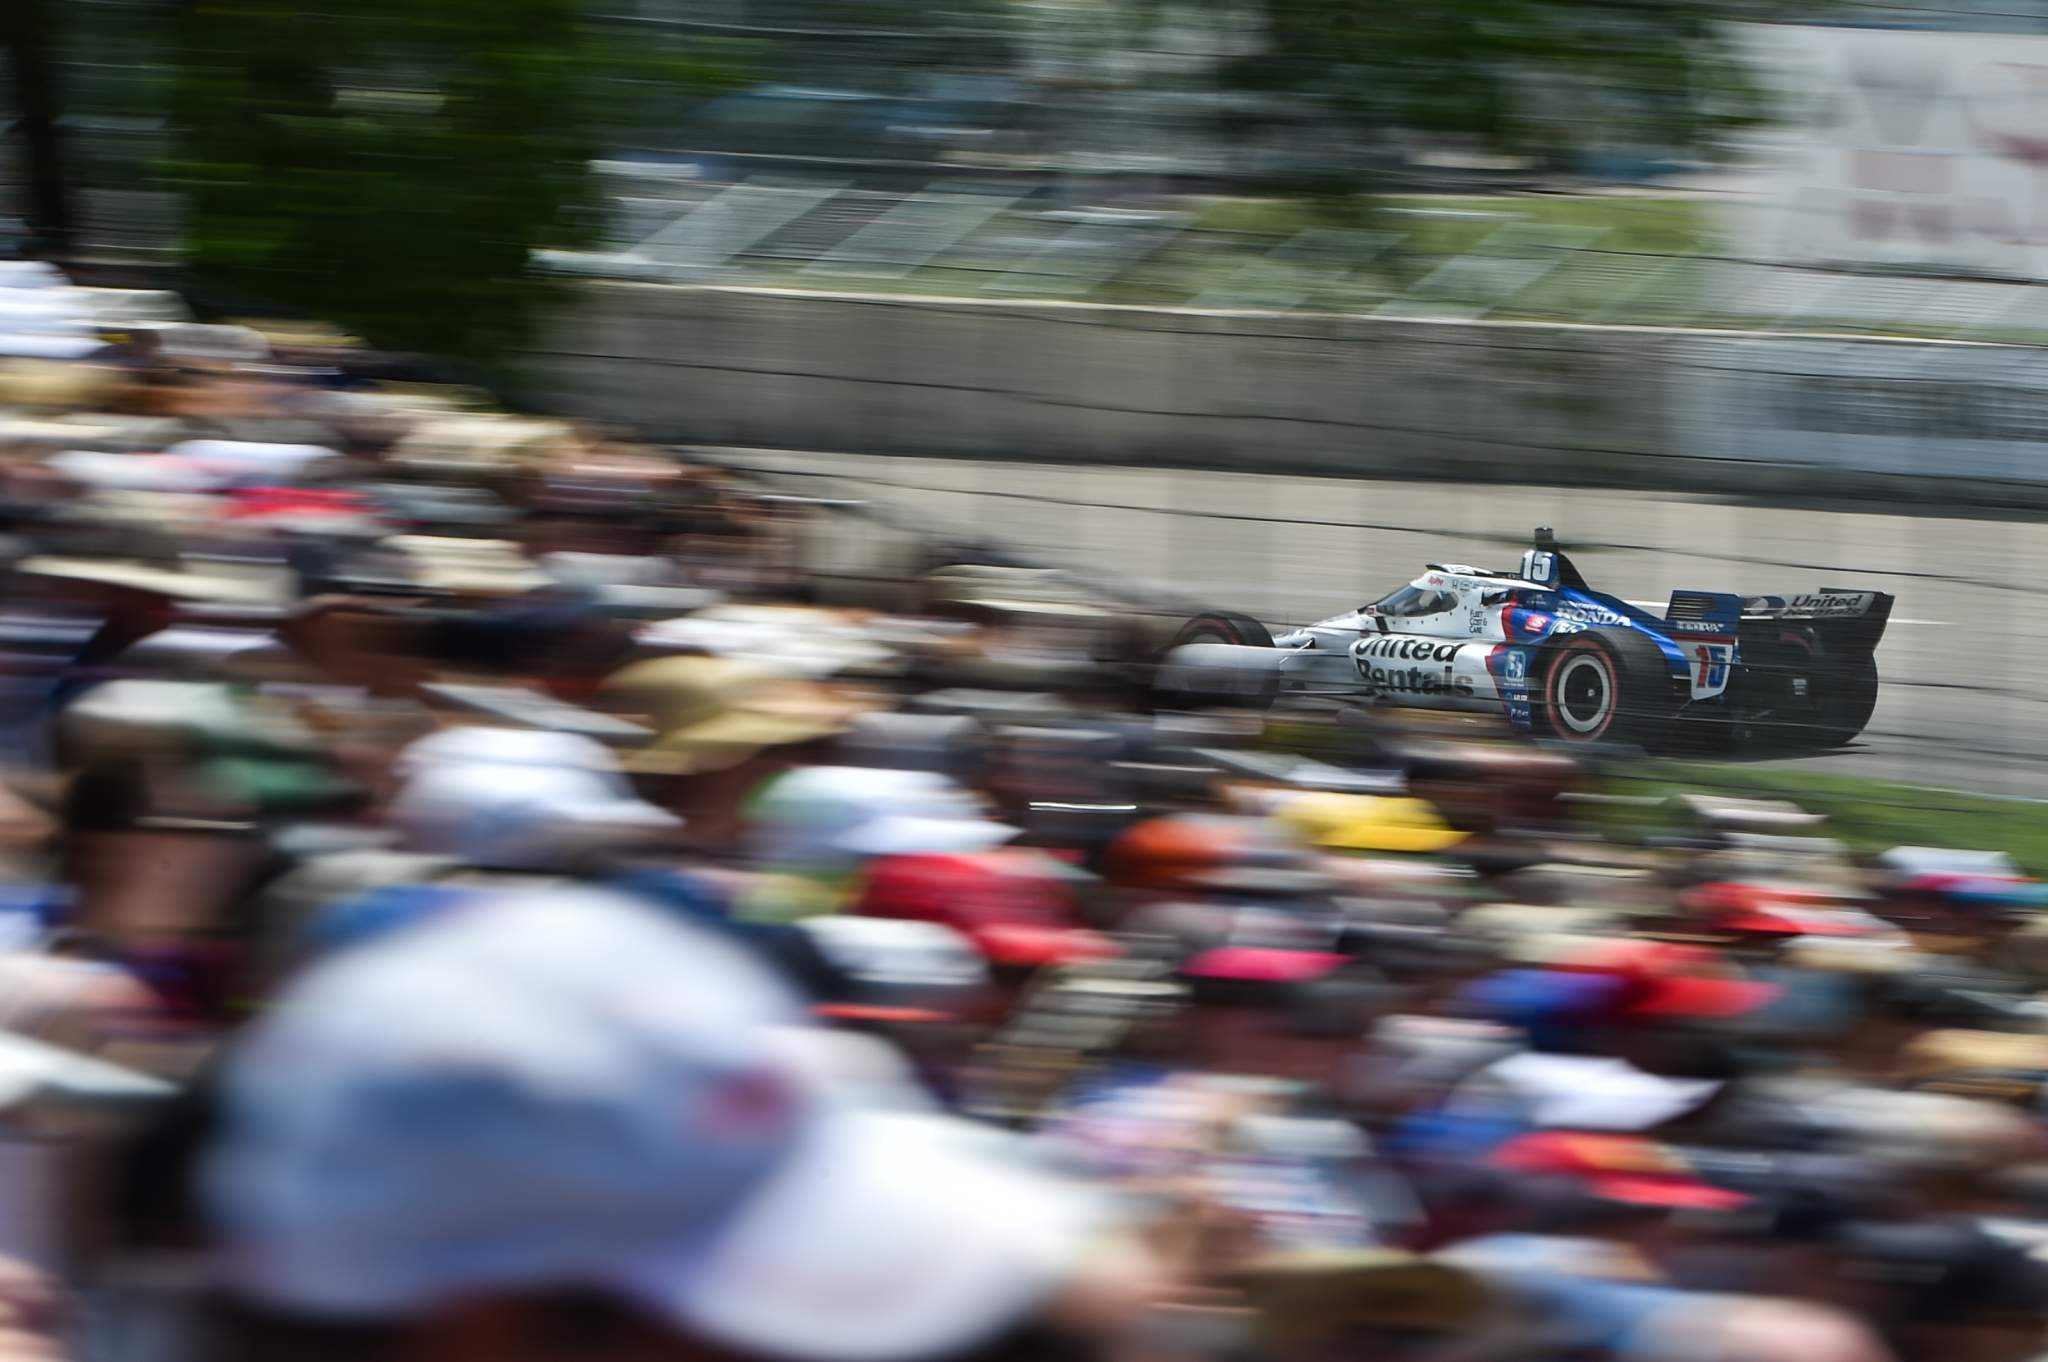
1828,603
1849,620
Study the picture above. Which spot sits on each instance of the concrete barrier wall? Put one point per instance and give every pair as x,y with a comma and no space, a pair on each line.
1355,396
1103,384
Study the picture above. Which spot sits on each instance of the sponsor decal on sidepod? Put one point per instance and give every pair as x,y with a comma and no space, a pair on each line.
1588,613
1512,666
1406,648
1397,680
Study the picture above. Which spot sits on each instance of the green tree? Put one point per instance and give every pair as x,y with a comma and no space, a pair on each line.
391,165
1529,78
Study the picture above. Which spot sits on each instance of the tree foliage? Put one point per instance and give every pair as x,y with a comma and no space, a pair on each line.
1531,78
391,165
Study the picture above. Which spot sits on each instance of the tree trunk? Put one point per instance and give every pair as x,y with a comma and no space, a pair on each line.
29,32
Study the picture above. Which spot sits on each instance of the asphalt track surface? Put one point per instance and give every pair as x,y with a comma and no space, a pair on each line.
1963,663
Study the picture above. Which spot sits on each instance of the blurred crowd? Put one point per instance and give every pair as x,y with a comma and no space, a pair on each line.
477,889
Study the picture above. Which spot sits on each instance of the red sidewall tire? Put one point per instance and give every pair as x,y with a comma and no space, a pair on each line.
1582,692
1221,626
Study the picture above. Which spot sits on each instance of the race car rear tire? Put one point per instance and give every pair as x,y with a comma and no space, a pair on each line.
1224,626
1830,709
1851,695
1604,686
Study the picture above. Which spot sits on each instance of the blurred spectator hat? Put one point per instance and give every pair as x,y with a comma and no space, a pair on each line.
515,817
1670,980
477,444
792,640
140,511
1302,1297
104,471
260,461
39,372
1176,852
1851,955
487,745
303,510
1624,1168
1989,892
173,578
1927,1132
466,567
896,970
137,714
530,709
710,714
1976,1063
1594,1092
1349,822
573,1089
1537,997
835,812
1516,931
236,749
1014,912
1912,862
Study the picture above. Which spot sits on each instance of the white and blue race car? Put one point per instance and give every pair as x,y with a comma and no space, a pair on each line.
1561,659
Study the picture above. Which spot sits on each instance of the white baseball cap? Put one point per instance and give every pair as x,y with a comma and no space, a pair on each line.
522,817
572,1088
489,745
852,811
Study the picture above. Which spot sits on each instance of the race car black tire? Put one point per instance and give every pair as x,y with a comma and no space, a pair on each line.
1843,692
1223,626
1603,686
1851,696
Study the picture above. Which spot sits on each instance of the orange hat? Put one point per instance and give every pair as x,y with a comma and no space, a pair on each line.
1174,853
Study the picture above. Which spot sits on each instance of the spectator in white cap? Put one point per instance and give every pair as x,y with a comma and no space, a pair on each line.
814,830
511,799
562,1124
